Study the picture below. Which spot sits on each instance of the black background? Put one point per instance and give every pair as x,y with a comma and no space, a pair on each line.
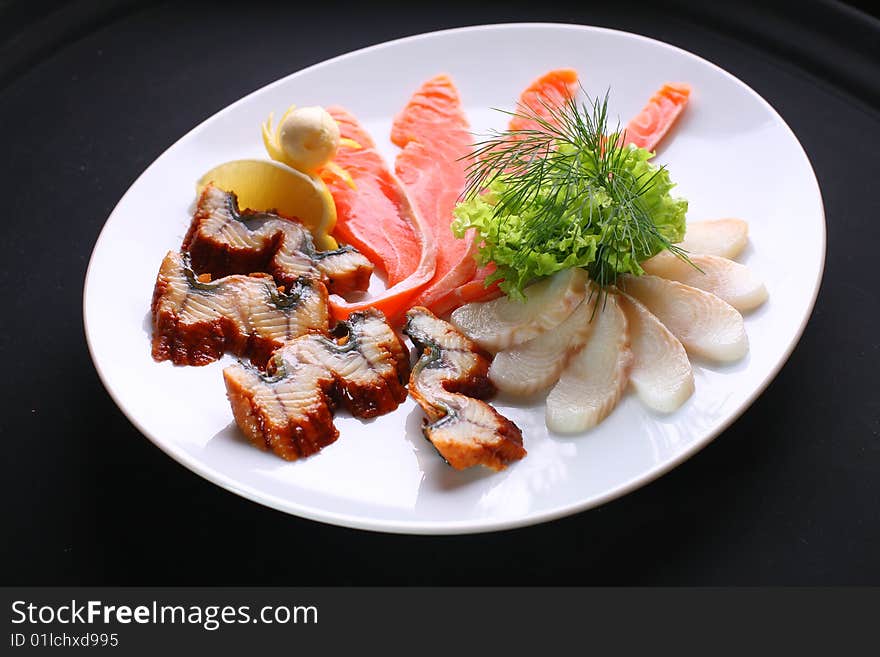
91,93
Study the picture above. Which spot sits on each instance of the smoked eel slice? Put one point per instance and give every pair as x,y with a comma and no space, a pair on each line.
289,408
377,217
448,381
434,136
195,322
224,240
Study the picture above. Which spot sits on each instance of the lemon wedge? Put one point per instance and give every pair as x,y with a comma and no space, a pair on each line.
270,185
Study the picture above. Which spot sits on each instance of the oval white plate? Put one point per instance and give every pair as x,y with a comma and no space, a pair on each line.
731,154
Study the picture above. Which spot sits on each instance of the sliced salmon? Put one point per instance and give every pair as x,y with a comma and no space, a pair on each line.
374,216
474,290
377,217
656,118
433,132
552,90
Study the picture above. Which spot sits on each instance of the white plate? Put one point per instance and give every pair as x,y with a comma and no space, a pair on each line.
731,154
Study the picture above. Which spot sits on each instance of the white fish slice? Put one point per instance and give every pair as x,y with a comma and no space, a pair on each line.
535,365
726,279
705,325
719,237
661,373
595,378
504,322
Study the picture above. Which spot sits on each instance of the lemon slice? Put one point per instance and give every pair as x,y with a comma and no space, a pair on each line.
270,185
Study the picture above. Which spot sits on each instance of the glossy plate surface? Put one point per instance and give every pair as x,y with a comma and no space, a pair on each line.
731,155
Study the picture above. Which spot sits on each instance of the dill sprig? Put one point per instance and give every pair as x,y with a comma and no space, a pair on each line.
574,178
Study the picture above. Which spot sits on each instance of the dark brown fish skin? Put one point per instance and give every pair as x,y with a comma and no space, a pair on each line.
448,382
226,327
202,344
289,409
281,246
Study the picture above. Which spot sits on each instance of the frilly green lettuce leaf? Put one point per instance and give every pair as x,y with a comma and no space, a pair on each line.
595,234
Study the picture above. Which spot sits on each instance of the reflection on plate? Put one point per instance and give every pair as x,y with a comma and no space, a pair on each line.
727,153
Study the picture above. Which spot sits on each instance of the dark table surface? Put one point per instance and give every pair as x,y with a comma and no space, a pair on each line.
91,93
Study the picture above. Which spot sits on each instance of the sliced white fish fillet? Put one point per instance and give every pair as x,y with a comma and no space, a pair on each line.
719,237
535,365
705,325
661,373
596,376
726,279
504,322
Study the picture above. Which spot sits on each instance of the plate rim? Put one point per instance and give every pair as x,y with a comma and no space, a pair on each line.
472,526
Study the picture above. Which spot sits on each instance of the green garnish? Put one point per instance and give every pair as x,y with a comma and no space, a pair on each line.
567,194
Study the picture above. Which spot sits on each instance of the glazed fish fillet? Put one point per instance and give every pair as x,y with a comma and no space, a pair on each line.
504,322
705,325
535,365
223,240
726,279
195,322
289,408
448,381
661,373
595,378
719,237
